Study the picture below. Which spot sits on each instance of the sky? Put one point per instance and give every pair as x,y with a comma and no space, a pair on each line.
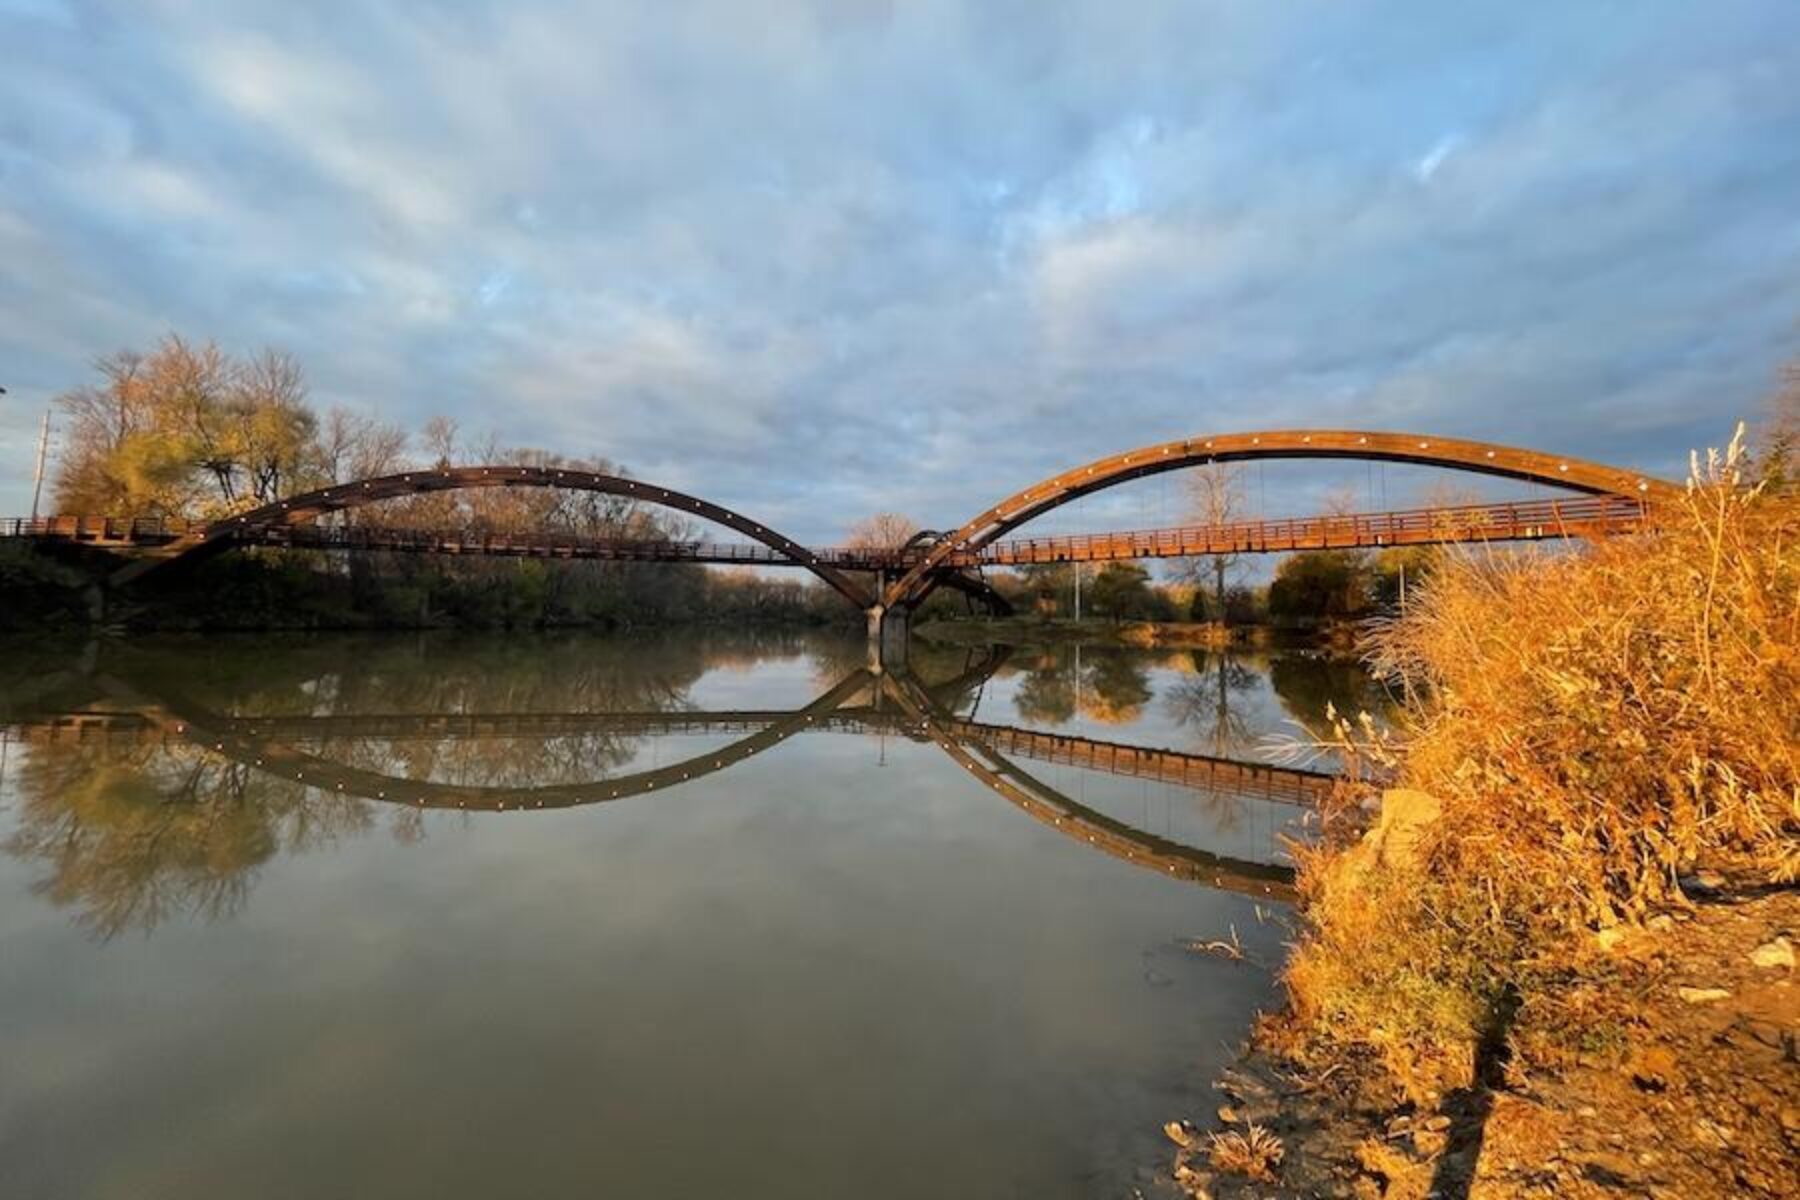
816,259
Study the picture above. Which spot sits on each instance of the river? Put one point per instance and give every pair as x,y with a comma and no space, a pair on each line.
363,915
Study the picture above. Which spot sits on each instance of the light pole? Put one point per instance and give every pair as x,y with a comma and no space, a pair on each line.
37,479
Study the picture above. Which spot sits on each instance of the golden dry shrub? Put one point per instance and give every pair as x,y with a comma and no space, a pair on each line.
1594,722
1255,1153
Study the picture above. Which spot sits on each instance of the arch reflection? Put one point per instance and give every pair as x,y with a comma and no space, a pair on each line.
182,805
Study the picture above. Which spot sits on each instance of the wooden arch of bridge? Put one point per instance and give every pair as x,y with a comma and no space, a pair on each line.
1483,458
308,506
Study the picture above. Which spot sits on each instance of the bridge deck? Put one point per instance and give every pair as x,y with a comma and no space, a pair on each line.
1527,520
1521,520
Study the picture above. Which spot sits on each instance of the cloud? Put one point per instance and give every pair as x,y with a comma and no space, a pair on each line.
1434,158
821,259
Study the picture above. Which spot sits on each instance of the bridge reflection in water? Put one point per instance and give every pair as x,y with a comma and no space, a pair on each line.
249,872
331,765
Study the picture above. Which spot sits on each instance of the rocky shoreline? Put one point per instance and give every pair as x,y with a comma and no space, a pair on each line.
1701,1097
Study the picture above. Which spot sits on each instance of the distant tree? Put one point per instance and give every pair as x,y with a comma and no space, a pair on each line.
1778,443
1048,587
1014,587
352,446
1316,584
1397,568
883,531
1122,591
100,418
1242,606
440,441
1216,496
1202,607
120,454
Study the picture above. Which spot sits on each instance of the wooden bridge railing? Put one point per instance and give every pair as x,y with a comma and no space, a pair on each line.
114,530
1582,516
1520,520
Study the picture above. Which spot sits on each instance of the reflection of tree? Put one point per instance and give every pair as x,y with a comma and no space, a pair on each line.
1207,700
133,838
132,834
1202,701
834,658
438,674
1112,687
1046,695
489,761
1307,683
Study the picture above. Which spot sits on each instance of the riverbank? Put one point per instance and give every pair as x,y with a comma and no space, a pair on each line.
1701,1098
62,590
1547,931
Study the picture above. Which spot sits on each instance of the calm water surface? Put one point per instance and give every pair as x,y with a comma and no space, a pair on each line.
363,915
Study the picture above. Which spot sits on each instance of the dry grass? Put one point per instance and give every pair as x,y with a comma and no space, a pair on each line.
1254,1154
1402,1178
1594,724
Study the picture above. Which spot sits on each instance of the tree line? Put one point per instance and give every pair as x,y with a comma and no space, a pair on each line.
189,430
1308,587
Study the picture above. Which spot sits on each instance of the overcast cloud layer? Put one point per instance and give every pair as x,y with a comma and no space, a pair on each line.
814,259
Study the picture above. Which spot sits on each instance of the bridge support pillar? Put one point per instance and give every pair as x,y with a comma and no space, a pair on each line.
889,630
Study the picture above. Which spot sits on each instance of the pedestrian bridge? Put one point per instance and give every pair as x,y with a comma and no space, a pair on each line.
1600,501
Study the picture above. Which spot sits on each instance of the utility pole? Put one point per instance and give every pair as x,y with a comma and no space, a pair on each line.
1078,590
37,481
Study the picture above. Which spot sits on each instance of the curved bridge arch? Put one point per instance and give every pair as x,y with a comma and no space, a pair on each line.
1078,822
297,510
1482,458
919,708
275,758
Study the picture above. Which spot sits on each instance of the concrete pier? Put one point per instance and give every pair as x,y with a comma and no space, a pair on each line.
889,631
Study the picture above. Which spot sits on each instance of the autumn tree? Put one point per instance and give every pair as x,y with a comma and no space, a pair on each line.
188,386
271,441
187,430
110,462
